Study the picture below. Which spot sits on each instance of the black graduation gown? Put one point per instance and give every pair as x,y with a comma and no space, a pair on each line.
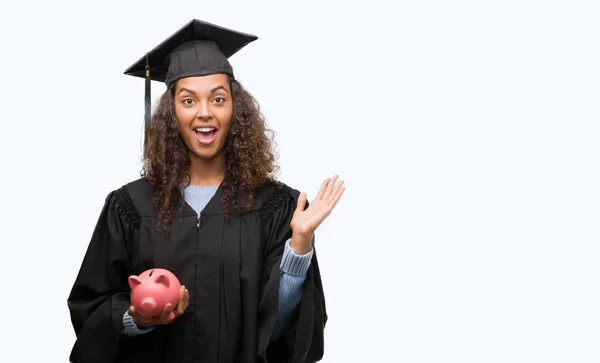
230,268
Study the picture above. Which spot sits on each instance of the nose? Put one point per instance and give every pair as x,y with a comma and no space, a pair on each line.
203,111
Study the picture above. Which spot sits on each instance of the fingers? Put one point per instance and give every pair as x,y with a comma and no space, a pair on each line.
301,202
337,196
329,187
335,192
140,321
167,316
322,189
184,301
134,314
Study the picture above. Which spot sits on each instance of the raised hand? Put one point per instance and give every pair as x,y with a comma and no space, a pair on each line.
305,222
168,314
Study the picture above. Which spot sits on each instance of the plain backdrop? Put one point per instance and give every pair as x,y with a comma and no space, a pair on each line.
466,131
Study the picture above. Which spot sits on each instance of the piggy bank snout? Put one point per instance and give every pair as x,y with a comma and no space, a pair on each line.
148,304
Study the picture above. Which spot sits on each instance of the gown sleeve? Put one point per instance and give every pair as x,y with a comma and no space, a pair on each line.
303,341
100,293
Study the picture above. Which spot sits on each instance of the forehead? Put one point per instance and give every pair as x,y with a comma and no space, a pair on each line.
203,83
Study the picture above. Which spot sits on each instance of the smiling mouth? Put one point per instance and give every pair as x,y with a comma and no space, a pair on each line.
205,135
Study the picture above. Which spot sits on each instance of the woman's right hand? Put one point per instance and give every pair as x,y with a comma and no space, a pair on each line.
163,319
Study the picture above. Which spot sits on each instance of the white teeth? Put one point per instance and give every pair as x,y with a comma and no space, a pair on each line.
204,129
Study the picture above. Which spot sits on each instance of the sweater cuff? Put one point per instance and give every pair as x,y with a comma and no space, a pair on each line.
130,327
294,264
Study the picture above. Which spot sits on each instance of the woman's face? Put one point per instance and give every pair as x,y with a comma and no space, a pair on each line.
204,107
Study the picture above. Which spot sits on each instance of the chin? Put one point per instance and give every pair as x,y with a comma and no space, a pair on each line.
205,154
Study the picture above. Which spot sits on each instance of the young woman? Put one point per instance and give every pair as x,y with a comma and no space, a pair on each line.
208,209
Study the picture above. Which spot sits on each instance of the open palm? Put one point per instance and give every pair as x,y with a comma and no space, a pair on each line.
305,222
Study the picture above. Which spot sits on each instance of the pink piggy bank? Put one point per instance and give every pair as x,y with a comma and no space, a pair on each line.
152,290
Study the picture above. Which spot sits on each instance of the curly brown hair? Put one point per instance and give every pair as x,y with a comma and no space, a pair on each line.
249,155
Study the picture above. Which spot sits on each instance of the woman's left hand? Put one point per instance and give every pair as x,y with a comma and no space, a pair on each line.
305,222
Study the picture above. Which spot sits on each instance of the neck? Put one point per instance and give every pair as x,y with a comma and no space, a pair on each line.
207,172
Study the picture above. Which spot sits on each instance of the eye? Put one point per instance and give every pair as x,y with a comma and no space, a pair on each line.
188,101
219,99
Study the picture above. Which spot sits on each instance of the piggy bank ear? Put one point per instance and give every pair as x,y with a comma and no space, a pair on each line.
162,279
134,281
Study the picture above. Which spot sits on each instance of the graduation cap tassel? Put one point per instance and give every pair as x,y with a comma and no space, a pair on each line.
147,95
147,101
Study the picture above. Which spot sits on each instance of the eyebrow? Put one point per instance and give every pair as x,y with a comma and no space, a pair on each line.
183,89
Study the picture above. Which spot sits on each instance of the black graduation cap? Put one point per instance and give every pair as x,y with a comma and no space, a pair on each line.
197,49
